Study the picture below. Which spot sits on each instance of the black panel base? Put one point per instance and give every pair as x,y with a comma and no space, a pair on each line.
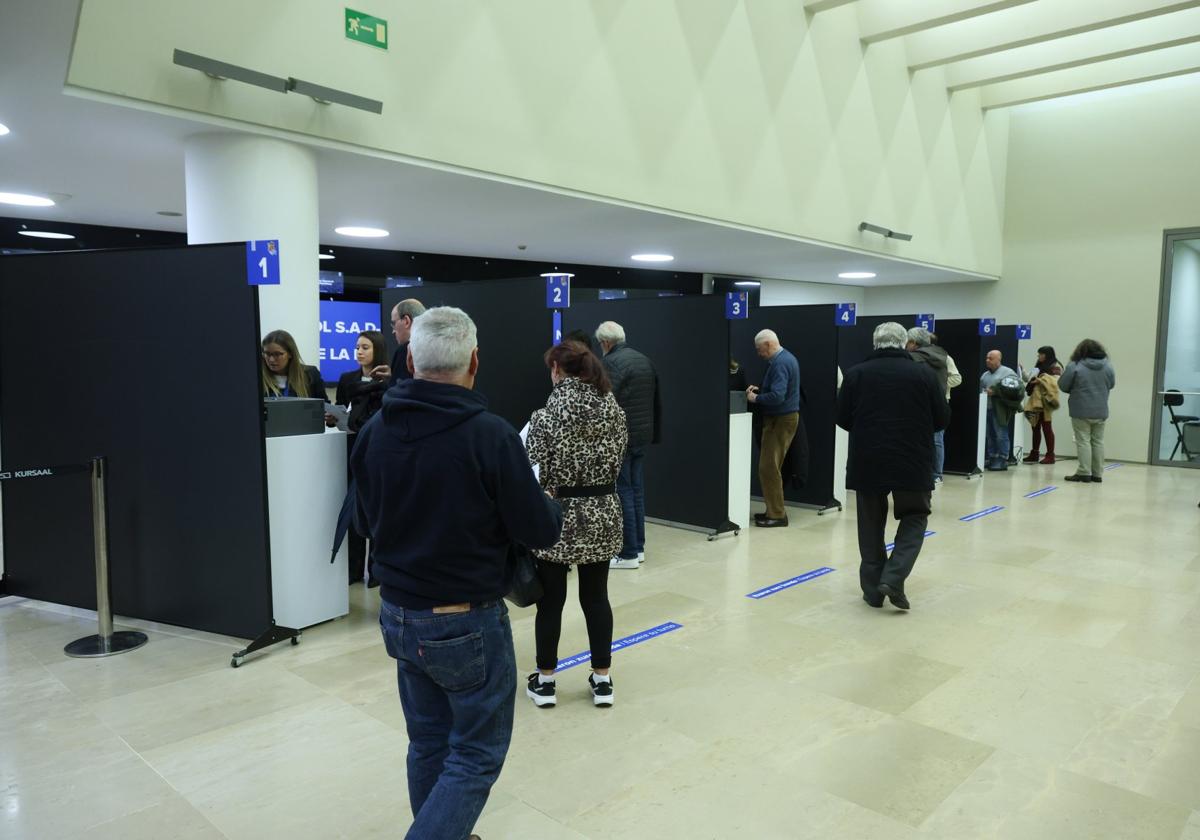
727,528
273,635
832,506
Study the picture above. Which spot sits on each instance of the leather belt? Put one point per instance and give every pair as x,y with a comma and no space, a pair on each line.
584,492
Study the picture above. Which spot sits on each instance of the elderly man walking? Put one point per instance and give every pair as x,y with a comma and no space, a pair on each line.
444,491
779,400
891,407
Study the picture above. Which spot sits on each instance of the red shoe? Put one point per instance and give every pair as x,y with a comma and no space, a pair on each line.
1049,459
1031,458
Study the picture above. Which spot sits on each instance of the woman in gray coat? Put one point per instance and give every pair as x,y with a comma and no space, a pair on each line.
1088,379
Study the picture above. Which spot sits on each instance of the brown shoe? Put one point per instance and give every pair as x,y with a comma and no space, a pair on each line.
1031,458
1049,459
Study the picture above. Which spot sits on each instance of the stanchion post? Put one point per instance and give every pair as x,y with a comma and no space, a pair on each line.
106,642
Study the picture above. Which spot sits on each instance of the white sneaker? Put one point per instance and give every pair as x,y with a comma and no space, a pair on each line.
641,557
618,563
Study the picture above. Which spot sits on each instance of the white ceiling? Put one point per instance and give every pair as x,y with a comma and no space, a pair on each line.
121,165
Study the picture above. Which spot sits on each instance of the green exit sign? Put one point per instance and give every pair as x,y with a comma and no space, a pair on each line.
366,29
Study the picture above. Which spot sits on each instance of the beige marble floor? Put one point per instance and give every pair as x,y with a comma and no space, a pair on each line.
1045,685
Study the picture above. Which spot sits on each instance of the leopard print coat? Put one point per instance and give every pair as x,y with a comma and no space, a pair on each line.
579,440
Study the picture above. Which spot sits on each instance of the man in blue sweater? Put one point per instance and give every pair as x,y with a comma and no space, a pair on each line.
779,400
444,490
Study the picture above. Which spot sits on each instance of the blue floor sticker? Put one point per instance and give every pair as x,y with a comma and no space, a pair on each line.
971,517
789,583
620,644
890,546
1041,492
1113,467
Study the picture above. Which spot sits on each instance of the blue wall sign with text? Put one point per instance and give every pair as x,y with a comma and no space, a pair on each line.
987,327
613,294
403,282
846,314
927,322
262,262
341,322
331,282
558,291
737,305
557,337
1024,332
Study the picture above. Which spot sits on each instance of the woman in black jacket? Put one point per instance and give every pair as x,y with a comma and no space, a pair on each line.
358,391
284,373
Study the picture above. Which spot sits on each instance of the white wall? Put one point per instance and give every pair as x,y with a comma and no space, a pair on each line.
1093,182
742,111
793,293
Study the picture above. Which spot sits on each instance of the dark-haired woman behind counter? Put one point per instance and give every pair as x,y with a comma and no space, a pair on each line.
358,391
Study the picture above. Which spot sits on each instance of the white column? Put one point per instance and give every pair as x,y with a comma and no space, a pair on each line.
242,187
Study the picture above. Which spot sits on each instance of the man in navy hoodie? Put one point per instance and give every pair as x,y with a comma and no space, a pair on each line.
444,490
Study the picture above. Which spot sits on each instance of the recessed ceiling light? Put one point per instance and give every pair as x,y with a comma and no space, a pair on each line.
23,200
45,234
3,129
326,257
171,213
747,283
652,257
370,232
856,275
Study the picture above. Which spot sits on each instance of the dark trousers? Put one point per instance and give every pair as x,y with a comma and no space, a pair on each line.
631,489
912,508
593,598
457,675
357,546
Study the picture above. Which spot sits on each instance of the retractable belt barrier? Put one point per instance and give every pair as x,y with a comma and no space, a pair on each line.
105,642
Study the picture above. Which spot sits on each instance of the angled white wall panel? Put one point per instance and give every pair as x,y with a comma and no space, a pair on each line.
814,6
1162,64
1033,23
1147,35
880,20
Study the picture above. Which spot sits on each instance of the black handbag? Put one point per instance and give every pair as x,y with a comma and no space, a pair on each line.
526,589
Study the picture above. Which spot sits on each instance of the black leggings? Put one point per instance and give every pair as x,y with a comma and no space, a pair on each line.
593,598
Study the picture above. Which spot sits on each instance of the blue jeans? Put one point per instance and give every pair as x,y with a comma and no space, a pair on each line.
631,487
939,453
457,675
997,446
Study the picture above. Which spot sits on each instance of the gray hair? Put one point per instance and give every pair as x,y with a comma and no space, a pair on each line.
442,341
610,332
765,336
890,335
411,307
920,336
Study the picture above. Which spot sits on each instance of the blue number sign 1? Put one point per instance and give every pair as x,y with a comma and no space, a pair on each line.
846,314
737,306
987,327
262,262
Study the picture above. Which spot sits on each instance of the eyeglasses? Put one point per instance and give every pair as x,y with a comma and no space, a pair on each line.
273,356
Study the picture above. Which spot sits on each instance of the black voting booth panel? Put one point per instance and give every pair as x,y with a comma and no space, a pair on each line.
514,329
809,333
687,475
161,375
961,339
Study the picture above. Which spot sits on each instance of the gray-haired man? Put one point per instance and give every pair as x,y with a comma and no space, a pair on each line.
444,491
891,408
403,315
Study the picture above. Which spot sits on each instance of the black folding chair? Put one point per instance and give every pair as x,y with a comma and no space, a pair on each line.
1172,399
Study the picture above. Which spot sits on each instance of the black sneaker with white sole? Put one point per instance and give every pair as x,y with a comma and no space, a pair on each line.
541,693
602,691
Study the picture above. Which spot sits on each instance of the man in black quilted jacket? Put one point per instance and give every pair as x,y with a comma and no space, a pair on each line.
635,385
